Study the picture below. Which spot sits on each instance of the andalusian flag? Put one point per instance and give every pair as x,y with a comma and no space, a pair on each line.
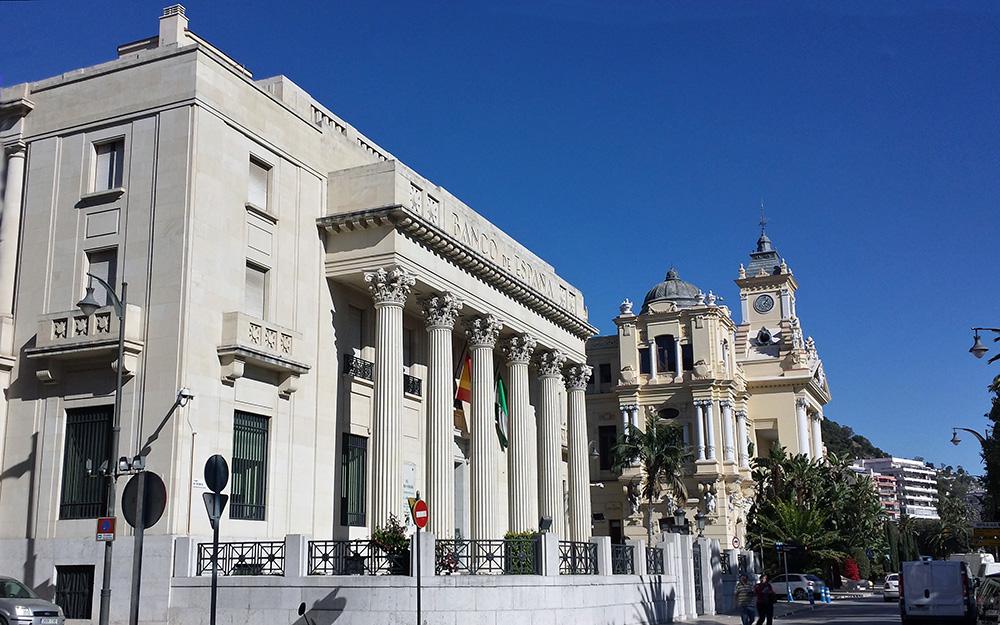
501,413
464,392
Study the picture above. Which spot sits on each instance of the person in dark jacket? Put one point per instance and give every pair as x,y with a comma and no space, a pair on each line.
766,598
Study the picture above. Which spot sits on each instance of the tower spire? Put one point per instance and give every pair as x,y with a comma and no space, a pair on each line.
763,220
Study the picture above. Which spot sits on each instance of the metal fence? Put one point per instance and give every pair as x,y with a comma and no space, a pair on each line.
355,557
622,560
654,560
412,385
510,556
358,367
252,558
577,558
699,600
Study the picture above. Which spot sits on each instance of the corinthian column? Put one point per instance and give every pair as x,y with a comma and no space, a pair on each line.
801,404
576,377
440,312
389,291
482,332
550,502
728,451
741,433
522,454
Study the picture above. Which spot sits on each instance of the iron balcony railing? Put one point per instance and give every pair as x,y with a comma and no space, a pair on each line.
577,558
355,557
654,560
412,385
249,558
622,560
359,367
510,556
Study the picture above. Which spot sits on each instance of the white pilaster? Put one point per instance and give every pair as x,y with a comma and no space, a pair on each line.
741,433
576,377
10,227
729,452
482,332
440,312
522,454
389,290
679,359
700,428
710,428
801,404
653,360
550,444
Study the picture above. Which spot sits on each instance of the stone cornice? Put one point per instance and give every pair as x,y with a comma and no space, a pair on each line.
436,240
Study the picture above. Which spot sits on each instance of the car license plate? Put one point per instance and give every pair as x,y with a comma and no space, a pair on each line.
918,607
52,620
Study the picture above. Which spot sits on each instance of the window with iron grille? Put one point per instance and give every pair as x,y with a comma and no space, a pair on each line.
249,486
607,436
87,432
75,590
352,480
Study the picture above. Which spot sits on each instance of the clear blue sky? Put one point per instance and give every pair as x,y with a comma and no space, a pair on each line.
616,139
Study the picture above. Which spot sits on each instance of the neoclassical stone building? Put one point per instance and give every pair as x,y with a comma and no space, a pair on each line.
735,390
317,297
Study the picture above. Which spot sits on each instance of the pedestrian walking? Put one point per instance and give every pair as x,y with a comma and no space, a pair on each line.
766,598
743,599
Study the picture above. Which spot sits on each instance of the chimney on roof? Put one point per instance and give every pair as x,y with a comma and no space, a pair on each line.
172,26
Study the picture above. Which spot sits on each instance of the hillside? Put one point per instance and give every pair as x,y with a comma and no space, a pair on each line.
841,440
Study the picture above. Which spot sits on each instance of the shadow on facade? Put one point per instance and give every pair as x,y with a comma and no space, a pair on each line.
15,472
657,604
323,612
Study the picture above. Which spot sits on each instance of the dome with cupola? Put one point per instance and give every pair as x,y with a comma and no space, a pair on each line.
674,290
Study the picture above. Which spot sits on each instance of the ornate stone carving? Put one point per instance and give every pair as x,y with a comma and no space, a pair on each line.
550,363
740,414
702,402
626,307
628,375
577,376
483,330
802,402
743,271
518,348
441,310
700,299
389,287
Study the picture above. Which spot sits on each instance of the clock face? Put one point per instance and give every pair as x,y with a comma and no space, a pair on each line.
763,304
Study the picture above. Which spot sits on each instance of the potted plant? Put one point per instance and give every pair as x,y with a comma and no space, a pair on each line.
391,539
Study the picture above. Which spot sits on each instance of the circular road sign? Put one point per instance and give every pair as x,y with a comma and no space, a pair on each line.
154,496
216,473
736,542
420,513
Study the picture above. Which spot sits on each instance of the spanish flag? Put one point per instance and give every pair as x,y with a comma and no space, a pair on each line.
464,393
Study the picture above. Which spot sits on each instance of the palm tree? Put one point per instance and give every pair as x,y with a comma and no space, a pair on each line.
660,452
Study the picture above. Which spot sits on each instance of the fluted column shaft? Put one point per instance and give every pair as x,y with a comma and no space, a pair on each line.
801,405
700,428
389,291
817,437
729,452
550,440
678,357
522,454
440,312
741,432
10,224
654,360
710,429
482,332
577,377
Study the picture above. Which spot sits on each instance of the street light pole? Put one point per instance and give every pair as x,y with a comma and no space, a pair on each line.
88,305
955,440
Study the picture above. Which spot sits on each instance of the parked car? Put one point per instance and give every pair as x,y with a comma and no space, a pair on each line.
937,591
800,583
19,605
890,589
988,599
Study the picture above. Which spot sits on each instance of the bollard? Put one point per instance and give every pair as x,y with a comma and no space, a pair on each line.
826,594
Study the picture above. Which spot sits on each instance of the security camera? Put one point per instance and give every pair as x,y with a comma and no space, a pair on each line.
184,396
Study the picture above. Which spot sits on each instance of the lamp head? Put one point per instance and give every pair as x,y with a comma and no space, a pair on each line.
679,516
184,396
89,303
594,454
978,349
955,440
699,521
544,523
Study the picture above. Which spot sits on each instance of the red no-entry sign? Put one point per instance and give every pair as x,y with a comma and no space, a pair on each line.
420,513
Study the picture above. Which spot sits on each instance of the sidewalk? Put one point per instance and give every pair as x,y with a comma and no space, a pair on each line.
782,609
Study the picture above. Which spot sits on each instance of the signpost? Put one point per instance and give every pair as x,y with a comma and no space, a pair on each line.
105,529
216,477
420,515
784,549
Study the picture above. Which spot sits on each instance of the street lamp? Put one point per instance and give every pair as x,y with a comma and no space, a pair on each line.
679,521
955,440
699,521
978,349
89,305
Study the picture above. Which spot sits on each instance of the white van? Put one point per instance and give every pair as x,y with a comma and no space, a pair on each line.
938,591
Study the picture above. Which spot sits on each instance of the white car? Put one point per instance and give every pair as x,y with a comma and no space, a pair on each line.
890,590
19,605
801,585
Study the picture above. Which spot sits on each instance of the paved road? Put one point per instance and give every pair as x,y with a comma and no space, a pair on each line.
870,610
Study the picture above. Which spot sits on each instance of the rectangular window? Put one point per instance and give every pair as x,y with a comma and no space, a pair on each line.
109,160
255,293
605,373
259,178
249,485
354,458
87,433
104,265
687,355
666,357
75,590
607,436
644,360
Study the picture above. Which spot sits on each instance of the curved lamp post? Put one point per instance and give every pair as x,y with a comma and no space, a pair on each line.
955,440
89,305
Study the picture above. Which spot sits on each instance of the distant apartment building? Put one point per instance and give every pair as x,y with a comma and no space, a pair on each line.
916,484
885,488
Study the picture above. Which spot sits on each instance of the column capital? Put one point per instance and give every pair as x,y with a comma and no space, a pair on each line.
389,287
550,363
702,402
741,414
15,148
518,348
628,407
726,403
576,376
483,330
801,402
441,310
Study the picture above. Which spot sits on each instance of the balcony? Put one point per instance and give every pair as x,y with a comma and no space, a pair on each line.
250,341
73,337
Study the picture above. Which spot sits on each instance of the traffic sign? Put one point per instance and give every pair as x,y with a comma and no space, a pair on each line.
105,529
736,542
420,513
154,499
216,473
215,504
